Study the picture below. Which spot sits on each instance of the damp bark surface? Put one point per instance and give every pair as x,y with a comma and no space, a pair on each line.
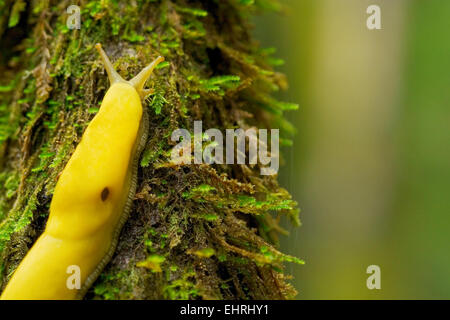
195,231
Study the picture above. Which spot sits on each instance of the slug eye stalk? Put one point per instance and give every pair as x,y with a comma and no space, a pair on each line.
138,81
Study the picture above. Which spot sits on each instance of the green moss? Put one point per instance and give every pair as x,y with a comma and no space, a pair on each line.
157,100
210,217
192,11
153,263
181,289
205,253
14,17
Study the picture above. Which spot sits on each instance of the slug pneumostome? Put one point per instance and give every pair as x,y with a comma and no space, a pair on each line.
92,198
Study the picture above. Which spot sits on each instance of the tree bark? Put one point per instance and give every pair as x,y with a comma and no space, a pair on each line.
195,231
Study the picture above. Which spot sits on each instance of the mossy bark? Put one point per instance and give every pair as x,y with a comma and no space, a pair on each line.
196,231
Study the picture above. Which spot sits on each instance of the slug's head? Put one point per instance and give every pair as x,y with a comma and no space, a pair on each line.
138,81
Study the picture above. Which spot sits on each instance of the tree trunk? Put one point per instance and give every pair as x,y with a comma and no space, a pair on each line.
195,231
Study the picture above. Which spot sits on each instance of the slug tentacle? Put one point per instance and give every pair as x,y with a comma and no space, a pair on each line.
138,81
112,73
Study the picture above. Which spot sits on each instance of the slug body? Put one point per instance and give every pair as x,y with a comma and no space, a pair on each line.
92,198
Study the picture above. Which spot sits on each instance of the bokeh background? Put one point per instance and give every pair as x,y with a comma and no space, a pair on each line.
370,165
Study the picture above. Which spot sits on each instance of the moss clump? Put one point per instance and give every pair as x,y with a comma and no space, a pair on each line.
196,231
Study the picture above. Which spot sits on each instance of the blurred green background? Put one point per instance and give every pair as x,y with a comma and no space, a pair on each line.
370,165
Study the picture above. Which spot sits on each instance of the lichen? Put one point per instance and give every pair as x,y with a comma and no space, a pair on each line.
196,231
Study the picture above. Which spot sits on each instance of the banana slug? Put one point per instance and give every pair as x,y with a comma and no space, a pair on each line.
92,197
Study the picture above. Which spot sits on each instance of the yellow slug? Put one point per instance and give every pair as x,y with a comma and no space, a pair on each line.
92,197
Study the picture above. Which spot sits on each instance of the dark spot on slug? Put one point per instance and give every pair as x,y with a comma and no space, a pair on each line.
105,193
